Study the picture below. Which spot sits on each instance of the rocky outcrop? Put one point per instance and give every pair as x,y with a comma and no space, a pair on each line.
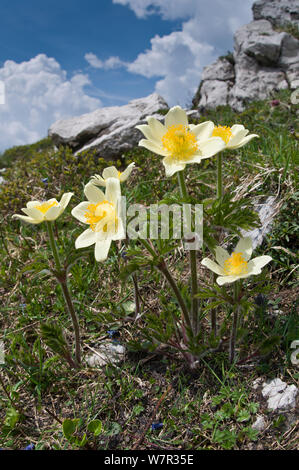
265,59
109,131
278,12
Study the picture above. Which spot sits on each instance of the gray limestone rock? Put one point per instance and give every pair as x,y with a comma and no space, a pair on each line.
110,131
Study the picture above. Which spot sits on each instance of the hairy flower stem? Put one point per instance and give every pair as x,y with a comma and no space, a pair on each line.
164,270
219,176
192,263
233,335
214,314
66,293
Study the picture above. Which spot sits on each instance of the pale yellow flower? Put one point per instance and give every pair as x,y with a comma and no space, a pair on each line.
112,172
178,142
41,211
238,265
234,137
102,213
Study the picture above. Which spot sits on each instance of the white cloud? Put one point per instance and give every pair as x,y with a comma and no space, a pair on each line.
169,10
178,58
37,93
112,62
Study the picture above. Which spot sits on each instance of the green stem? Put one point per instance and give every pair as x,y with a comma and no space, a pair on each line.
70,306
147,245
219,176
66,294
192,262
194,305
214,314
233,335
53,245
182,183
164,270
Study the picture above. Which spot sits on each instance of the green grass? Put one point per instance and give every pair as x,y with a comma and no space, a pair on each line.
211,408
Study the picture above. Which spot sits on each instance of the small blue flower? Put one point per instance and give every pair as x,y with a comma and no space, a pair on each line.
124,255
30,447
157,426
45,180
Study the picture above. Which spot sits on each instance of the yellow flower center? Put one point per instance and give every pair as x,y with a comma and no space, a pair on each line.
235,265
97,212
45,206
224,132
180,142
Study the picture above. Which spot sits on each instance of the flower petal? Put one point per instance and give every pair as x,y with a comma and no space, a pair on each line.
147,132
34,213
121,233
243,142
87,238
125,174
30,220
176,116
226,279
93,193
236,138
256,264
102,249
211,146
53,212
98,180
221,255
150,145
113,192
157,128
236,128
172,166
79,211
66,197
33,204
110,172
203,131
208,263
244,246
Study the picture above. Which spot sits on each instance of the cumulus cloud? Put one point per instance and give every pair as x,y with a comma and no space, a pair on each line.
169,10
112,62
37,93
177,59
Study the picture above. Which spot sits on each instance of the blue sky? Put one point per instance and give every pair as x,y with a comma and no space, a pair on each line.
60,58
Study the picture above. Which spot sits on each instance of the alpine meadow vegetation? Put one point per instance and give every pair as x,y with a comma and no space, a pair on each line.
197,313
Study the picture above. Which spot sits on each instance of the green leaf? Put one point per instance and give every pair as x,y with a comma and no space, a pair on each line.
95,427
69,427
53,336
11,418
114,429
243,415
269,344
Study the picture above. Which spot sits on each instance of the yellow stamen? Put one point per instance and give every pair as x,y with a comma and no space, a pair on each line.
235,265
96,212
45,206
224,132
180,142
